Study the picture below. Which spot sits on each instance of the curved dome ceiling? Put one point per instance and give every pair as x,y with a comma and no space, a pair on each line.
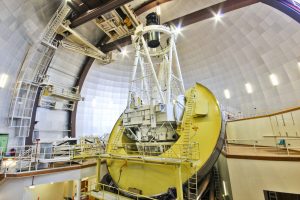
246,46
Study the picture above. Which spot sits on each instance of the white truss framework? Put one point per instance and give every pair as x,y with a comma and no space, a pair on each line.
31,75
156,78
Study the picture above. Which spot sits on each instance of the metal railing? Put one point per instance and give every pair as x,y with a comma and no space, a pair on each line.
159,150
102,191
39,157
80,151
33,157
279,147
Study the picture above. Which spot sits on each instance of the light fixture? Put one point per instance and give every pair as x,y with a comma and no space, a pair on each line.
158,10
248,88
3,80
227,94
31,187
225,189
299,65
51,183
218,16
274,79
124,52
94,102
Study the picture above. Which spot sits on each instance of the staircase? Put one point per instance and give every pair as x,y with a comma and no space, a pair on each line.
187,124
25,160
188,149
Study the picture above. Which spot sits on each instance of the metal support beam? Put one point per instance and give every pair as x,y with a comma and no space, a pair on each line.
118,44
96,12
179,190
84,71
148,5
78,189
169,81
153,70
98,173
189,19
284,7
136,61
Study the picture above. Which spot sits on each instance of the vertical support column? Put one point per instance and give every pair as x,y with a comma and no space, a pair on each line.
178,67
170,70
178,182
98,173
136,60
145,80
78,189
153,70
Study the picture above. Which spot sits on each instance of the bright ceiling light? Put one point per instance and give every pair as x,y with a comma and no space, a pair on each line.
158,12
227,94
274,79
94,102
31,187
51,183
299,65
124,52
225,189
218,16
248,88
3,80
178,29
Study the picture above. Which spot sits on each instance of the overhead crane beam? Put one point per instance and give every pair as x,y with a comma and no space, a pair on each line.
148,5
96,12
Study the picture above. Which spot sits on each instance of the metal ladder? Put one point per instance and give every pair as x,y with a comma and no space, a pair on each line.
117,138
193,185
217,182
272,196
55,22
47,54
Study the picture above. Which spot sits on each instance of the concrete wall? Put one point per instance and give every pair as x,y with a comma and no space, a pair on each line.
250,177
49,191
18,188
224,177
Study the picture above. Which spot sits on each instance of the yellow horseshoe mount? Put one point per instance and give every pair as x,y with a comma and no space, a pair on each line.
194,152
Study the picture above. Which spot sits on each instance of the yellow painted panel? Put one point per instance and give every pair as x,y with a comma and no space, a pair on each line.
201,108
